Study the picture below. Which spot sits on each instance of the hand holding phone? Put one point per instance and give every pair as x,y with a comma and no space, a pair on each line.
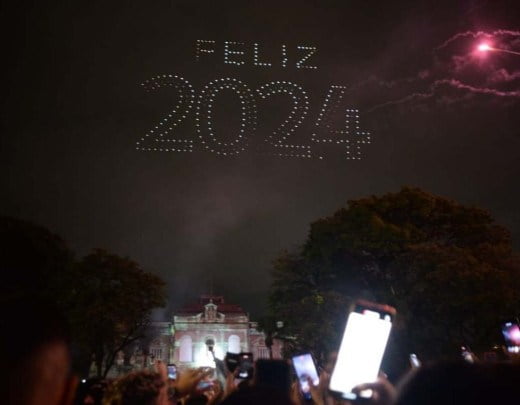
306,373
245,366
232,360
467,354
511,333
204,385
172,372
414,361
362,348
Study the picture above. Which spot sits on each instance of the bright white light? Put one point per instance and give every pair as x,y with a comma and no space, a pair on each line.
360,352
305,368
204,358
484,47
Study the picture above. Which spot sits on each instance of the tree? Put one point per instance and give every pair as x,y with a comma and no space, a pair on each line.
113,305
107,299
449,269
33,261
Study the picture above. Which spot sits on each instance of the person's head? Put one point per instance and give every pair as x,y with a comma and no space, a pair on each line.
275,374
34,345
196,400
137,388
91,391
460,383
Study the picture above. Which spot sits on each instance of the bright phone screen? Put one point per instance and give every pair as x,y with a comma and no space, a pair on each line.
172,372
304,367
414,361
245,365
361,351
511,332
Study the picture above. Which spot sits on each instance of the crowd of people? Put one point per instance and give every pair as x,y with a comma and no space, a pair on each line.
37,358
443,383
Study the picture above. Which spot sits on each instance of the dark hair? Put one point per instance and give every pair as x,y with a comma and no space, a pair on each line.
94,388
138,388
273,373
271,385
196,400
460,383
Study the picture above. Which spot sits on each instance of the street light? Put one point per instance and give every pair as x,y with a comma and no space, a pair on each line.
219,364
271,334
210,343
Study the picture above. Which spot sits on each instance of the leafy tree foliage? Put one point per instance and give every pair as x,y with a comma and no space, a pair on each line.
33,260
113,304
449,269
106,298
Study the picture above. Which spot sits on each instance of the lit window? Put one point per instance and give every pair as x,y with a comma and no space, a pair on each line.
186,352
234,344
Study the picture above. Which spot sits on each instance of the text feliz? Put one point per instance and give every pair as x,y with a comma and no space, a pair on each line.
240,53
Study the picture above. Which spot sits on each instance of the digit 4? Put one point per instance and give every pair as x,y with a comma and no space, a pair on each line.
350,135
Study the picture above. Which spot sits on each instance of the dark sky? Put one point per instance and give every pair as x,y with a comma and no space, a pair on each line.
441,116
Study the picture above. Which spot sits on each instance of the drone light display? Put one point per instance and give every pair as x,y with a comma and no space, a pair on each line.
162,138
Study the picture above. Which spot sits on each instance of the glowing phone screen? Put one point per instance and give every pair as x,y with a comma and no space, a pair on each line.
361,351
304,366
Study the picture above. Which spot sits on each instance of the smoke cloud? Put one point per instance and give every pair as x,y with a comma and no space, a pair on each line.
477,34
467,72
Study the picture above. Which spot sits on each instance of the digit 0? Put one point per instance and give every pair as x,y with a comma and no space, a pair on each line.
203,119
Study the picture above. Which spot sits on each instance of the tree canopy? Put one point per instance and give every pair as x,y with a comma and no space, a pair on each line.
106,298
33,260
113,305
449,269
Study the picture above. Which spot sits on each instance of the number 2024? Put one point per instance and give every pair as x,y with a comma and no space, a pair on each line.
156,138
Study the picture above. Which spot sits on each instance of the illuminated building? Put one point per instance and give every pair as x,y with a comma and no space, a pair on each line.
183,341
227,325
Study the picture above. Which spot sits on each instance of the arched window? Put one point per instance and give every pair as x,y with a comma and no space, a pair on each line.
185,351
234,344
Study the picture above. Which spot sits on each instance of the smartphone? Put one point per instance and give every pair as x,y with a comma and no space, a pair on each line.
172,372
245,366
204,384
414,361
232,360
467,354
511,332
305,368
362,348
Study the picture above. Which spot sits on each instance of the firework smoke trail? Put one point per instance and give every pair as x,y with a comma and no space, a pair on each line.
424,74
505,50
474,34
387,83
450,82
410,97
478,90
503,76
500,76
421,75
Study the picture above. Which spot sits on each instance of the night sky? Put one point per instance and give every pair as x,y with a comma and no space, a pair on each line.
441,116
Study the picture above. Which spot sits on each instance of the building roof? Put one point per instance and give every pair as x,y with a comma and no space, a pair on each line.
198,307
